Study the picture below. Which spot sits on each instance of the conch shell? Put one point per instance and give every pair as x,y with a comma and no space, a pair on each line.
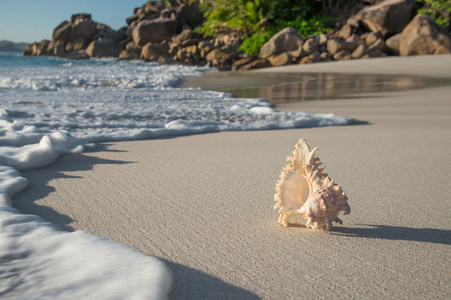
304,189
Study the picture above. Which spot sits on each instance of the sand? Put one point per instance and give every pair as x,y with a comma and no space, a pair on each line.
204,203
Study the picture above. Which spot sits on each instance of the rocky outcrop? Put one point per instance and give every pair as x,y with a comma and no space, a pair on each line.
423,36
104,47
388,17
82,27
393,43
188,14
62,32
38,48
154,31
154,51
80,38
165,34
152,23
285,40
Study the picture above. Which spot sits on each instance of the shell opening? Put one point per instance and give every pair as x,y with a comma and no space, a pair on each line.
296,191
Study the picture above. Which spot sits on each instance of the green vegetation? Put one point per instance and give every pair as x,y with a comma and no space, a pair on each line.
439,10
261,19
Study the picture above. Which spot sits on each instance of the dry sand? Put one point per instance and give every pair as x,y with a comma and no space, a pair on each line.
204,203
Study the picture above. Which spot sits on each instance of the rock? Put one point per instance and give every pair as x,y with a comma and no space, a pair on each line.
130,45
103,48
423,36
379,45
188,13
129,54
165,60
344,32
186,34
191,42
28,50
321,39
80,17
58,48
152,51
241,62
204,52
118,35
76,55
280,59
299,53
441,50
340,55
310,46
41,48
82,28
62,31
51,48
205,44
132,19
154,31
337,45
375,53
153,7
38,48
221,56
393,43
354,38
174,3
181,55
173,48
354,21
372,37
130,28
314,57
287,39
166,13
76,45
389,17
256,64
360,51
305,60
325,56
192,50
205,48
229,39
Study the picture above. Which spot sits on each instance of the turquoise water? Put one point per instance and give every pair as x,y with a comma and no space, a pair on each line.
14,59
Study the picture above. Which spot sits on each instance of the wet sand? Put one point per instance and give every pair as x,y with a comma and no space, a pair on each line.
204,203
325,81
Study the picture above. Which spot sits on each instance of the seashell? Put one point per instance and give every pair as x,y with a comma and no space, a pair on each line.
304,189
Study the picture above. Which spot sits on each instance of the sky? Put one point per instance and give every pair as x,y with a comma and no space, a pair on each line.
34,20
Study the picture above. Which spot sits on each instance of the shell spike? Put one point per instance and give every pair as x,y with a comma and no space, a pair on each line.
311,158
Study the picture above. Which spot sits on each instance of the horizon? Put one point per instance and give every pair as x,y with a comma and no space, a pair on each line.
37,21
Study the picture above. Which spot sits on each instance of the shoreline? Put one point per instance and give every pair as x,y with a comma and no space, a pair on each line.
204,203
328,80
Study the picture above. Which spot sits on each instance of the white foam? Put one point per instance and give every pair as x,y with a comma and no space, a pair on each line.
39,261
49,111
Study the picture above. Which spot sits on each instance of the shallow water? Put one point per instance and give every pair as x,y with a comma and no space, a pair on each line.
292,87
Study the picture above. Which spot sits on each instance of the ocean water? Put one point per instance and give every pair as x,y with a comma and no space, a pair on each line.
49,107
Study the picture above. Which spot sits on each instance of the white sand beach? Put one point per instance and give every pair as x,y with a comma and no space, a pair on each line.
204,203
